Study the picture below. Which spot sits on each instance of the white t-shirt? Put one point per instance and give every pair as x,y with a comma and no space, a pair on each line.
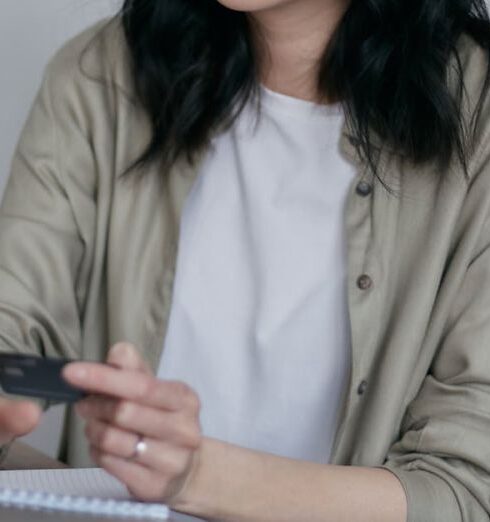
259,321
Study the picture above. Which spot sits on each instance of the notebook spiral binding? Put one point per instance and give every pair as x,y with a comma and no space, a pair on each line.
91,506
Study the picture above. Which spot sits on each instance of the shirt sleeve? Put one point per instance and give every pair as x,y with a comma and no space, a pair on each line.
443,457
46,218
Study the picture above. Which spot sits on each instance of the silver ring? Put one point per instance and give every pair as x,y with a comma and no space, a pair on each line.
140,448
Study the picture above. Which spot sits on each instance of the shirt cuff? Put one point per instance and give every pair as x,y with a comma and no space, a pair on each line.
429,497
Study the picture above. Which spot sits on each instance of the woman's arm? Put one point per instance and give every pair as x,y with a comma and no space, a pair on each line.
46,222
235,484
208,478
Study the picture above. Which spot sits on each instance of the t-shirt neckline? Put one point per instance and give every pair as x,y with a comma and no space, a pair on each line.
297,107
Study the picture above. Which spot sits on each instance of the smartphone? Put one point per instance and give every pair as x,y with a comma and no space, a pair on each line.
37,377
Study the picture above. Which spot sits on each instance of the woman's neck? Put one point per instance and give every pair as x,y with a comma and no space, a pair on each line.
291,40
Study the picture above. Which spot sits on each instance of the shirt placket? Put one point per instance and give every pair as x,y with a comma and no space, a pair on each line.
362,277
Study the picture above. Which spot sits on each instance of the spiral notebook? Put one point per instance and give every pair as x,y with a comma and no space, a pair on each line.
88,491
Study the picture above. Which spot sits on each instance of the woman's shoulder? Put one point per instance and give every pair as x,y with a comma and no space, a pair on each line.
96,58
474,61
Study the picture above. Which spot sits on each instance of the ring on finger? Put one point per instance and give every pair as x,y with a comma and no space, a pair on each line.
140,448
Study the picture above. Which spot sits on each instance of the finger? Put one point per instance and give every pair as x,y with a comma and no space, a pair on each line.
143,483
17,419
102,379
126,356
159,456
108,439
174,427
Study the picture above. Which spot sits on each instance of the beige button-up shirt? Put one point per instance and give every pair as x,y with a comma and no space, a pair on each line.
87,259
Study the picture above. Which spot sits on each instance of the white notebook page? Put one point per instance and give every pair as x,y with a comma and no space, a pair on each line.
79,490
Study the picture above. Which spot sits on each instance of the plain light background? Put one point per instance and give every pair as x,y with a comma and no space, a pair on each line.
30,32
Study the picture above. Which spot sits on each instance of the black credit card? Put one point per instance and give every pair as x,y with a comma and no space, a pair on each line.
38,377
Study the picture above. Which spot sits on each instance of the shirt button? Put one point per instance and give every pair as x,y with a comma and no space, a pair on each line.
364,282
364,188
362,388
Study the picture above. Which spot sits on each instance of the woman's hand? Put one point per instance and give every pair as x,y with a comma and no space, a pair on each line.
209,478
129,403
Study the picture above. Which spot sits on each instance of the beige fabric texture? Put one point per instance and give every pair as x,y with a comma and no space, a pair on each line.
88,257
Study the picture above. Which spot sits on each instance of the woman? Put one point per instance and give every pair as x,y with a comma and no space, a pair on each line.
319,363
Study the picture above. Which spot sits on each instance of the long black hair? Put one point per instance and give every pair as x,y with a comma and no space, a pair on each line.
388,62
